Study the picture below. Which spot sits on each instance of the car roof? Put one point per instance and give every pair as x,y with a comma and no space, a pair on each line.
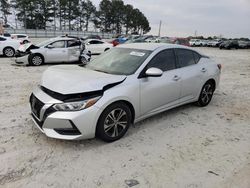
151,46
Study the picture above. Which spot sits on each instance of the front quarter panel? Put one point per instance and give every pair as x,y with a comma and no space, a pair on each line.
126,91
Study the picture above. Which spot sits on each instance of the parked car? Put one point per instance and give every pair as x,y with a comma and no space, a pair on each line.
50,51
23,37
229,44
8,46
214,43
244,44
197,42
122,86
180,41
96,46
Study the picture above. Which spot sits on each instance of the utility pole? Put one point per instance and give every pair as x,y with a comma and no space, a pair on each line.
159,34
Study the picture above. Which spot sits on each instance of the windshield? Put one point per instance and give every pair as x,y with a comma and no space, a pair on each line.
120,61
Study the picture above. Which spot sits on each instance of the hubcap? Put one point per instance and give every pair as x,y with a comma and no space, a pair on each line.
115,122
37,60
207,93
9,52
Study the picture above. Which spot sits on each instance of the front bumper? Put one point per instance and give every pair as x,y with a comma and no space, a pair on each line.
22,59
62,125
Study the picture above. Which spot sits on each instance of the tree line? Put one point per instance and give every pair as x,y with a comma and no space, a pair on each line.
110,16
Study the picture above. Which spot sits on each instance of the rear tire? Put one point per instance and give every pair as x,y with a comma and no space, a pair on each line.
36,60
9,52
114,122
206,94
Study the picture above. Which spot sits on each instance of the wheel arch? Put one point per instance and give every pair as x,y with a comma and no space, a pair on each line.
212,81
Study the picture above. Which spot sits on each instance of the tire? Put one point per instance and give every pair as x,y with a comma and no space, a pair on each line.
9,52
108,127
36,59
106,49
206,94
83,60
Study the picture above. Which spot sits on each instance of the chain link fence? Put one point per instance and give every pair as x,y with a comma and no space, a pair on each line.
37,33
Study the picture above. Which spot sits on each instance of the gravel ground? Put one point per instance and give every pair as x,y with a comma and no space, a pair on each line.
187,147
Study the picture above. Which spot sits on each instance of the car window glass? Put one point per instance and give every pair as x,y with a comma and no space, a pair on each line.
95,42
165,60
21,36
185,57
58,44
196,57
74,43
2,39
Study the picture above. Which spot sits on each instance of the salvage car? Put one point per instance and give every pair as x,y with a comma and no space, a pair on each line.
60,49
122,86
97,47
9,46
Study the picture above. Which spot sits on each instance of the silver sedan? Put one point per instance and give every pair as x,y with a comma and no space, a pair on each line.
122,86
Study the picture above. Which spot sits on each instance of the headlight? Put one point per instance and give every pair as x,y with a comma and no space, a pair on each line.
76,106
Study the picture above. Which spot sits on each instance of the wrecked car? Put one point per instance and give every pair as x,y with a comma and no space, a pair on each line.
120,87
56,50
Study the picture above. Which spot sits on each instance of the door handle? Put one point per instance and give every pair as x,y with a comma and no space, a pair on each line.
203,70
176,78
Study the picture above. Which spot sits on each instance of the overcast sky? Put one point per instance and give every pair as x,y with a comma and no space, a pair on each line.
230,18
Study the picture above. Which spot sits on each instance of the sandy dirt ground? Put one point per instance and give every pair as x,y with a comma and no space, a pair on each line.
187,147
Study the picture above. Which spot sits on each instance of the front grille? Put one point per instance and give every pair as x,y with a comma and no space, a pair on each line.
36,105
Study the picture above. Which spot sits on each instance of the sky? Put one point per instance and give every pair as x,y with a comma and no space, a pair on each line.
229,18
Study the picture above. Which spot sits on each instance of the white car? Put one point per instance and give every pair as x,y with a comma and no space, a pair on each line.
120,87
51,51
214,43
96,46
197,42
23,37
8,46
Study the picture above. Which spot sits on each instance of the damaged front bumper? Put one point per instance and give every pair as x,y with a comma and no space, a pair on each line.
21,58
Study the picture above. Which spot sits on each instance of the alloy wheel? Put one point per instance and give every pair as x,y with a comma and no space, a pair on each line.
207,93
115,122
9,52
37,60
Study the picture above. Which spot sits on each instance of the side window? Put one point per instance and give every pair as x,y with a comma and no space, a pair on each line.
58,44
95,42
197,57
185,57
73,43
2,39
164,60
21,36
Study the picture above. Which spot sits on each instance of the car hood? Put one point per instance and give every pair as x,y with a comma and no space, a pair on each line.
72,79
27,47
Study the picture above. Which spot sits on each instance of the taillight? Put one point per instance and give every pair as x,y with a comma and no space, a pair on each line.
219,66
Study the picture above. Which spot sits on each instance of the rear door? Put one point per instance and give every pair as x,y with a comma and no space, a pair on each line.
192,73
74,50
158,93
58,52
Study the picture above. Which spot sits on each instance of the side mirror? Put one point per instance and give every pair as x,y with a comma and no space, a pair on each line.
50,46
154,72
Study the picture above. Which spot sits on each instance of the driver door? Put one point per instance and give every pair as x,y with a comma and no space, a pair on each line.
158,93
56,52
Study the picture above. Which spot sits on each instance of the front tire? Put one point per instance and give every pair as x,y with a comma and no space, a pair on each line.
36,60
9,52
206,94
114,122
